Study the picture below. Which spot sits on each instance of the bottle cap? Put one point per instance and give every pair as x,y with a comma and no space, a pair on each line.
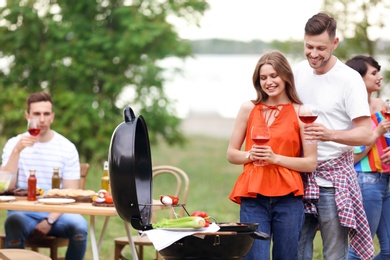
106,165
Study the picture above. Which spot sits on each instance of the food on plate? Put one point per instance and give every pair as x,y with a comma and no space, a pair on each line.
103,197
16,192
79,195
204,215
184,222
169,200
69,193
108,198
40,191
228,224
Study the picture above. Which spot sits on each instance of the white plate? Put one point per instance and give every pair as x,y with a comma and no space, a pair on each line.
6,198
183,229
56,201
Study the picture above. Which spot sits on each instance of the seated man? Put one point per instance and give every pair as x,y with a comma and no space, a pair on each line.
43,152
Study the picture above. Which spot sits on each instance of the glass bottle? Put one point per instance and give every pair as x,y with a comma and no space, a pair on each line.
105,179
32,186
56,179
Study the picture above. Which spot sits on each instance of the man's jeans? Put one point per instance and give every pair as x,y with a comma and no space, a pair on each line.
334,236
19,225
376,203
281,217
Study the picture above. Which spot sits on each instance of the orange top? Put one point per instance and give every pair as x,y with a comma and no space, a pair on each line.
272,180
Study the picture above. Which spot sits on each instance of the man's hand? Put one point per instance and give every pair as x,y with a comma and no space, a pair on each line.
317,131
25,141
41,229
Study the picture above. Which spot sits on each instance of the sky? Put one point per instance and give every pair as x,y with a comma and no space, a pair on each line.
247,20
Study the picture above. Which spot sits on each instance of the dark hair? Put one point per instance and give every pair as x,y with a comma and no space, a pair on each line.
320,23
359,63
38,97
280,64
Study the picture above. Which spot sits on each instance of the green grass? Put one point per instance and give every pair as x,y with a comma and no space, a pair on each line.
211,180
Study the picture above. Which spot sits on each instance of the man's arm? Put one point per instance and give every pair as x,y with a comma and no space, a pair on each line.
12,161
70,184
44,226
360,134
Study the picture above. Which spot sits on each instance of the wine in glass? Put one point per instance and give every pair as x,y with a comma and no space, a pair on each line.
33,126
386,114
260,136
308,113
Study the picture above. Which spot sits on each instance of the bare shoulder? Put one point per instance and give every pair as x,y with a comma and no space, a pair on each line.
247,106
296,107
245,110
379,101
376,104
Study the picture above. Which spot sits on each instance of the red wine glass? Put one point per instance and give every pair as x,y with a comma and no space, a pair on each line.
33,126
386,114
308,113
260,136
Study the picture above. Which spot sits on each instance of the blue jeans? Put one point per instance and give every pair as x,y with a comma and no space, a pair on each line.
281,217
20,224
376,203
334,236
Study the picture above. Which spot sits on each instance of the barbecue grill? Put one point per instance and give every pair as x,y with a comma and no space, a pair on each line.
130,169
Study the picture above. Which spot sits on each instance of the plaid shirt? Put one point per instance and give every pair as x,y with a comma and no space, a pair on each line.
348,198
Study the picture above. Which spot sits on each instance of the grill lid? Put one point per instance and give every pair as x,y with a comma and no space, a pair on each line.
130,169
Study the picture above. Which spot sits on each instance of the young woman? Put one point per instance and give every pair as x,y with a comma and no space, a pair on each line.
372,162
271,195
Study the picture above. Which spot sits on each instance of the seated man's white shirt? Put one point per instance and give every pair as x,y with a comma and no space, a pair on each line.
59,152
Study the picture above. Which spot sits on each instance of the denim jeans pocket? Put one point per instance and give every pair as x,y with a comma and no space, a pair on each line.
369,177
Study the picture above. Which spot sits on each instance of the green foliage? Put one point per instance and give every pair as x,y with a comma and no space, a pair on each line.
85,53
354,22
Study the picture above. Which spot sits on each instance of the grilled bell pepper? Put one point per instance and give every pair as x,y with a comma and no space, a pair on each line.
202,214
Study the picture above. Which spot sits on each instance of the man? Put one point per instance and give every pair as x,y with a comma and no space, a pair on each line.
332,196
44,152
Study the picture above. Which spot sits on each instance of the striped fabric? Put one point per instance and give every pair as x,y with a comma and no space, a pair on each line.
371,162
59,152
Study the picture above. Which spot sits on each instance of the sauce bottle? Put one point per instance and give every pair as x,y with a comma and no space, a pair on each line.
32,186
105,179
56,179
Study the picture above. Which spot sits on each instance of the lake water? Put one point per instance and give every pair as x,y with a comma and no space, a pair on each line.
211,84
217,84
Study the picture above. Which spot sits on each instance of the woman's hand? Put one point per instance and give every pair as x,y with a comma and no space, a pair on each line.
263,152
385,158
382,128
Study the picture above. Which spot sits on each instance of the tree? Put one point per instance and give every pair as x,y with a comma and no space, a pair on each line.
94,57
356,19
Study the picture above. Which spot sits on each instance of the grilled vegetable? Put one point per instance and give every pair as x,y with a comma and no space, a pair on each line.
169,200
204,215
40,191
184,222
